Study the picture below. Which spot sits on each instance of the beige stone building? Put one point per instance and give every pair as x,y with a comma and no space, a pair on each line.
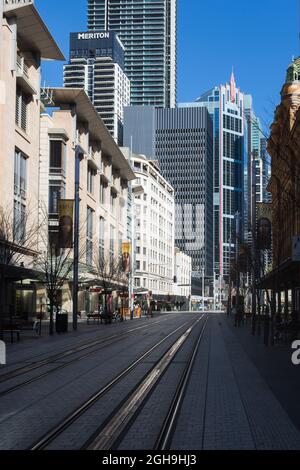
183,277
24,42
153,229
104,176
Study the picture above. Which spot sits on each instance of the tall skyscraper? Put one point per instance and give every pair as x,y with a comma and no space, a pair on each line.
225,105
96,63
148,31
182,142
257,152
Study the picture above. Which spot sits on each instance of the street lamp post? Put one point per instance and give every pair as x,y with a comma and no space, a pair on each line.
78,152
253,247
237,235
203,288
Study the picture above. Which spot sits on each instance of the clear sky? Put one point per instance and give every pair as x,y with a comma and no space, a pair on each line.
256,37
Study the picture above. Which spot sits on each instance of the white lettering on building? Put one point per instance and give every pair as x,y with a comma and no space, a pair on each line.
93,35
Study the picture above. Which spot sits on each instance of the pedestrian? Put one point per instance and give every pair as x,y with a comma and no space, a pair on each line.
267,325
234,313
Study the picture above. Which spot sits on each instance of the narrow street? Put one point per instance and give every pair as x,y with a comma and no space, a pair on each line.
175,381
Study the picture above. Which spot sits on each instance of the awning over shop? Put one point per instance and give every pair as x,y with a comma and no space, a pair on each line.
286,276
19,273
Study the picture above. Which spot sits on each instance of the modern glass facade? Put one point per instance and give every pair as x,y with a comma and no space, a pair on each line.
148,31
225,105
182,142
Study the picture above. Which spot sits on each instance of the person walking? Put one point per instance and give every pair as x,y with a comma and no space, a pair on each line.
234,313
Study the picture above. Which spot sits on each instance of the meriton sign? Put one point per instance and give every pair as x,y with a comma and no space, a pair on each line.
93,35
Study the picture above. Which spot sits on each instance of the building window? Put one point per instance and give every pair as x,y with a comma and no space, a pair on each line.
112,202
20,174
56,192
22,101
20,186
57,157
101,238
90,179
102,193
19,228
89,236
112,246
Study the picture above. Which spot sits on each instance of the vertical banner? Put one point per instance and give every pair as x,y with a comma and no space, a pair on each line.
264,226
126,252
65,231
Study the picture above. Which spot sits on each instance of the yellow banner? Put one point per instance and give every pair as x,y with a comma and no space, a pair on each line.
65,231
126,252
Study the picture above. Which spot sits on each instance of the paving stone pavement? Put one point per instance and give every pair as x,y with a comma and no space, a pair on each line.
27,413
234,408
235,400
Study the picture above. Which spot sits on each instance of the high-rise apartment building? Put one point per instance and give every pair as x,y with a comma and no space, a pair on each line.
225,105
148,31
96,63
257,155
182,142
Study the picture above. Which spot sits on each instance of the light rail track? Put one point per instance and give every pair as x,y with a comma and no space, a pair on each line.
67,422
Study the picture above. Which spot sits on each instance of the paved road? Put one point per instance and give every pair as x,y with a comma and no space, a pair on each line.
233,399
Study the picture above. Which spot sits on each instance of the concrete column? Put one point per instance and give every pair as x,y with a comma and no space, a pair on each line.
286,304
279,302
13,26
294,304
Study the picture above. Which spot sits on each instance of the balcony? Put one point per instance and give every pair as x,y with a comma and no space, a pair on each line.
23,76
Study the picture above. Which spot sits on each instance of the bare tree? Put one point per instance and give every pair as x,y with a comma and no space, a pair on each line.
110,271
18,243
54,266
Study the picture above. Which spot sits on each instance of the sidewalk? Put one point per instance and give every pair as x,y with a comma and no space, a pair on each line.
275,365
33,347
234,401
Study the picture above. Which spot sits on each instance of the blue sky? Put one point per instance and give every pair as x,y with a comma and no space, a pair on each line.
257,37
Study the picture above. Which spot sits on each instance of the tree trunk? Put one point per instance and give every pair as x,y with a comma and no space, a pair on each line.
51,325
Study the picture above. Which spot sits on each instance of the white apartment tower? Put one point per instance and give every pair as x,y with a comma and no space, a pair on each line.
148,32
96,63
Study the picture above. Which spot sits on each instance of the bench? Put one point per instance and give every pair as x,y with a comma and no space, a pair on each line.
286,332
94,316
12,331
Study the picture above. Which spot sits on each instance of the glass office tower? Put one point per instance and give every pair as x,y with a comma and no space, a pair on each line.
225,105
148,31
181,140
